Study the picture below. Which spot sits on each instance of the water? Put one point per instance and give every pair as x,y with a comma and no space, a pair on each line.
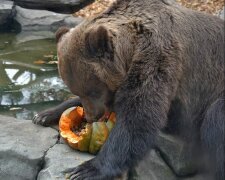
27,87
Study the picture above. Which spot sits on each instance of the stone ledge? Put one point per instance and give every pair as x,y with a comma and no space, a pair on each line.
22,148
59,158
5,13
60,6
42,20
29,151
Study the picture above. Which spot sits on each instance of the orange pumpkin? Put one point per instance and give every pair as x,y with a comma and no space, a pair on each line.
91,137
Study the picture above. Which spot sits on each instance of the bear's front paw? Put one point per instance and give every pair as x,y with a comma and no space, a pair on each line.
86,171
46,118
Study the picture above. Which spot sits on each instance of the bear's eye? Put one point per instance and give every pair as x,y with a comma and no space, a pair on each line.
94,94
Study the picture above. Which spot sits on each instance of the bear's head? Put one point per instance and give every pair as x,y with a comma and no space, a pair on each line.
93,62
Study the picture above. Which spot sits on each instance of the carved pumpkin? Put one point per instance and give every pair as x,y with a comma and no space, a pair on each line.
91,137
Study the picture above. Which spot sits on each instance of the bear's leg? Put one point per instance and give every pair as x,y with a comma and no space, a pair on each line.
212,137
52,116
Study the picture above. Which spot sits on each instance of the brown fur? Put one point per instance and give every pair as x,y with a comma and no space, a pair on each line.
156,65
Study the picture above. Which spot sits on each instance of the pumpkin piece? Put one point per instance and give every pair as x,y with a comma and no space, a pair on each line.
100,133
86,133
111,121
70,118
110,125
112,117
85,137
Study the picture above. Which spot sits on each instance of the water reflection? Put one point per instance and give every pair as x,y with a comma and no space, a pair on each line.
26,88
18,76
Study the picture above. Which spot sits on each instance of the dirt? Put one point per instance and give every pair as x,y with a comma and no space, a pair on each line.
208,6
95,8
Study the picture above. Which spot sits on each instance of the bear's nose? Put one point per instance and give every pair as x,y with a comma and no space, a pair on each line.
92,117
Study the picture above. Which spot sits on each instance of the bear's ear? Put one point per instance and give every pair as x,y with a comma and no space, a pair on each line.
60,32
98,43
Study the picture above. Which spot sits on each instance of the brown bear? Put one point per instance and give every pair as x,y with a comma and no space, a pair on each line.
158,66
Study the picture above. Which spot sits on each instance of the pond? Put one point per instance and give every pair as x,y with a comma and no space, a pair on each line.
29,80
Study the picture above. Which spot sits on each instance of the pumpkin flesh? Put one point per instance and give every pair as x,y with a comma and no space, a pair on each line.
88,139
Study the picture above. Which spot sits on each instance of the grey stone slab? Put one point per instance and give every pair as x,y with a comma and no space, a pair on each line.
153,167
42,20
22,148
29,151
59,158
62,6
177,154
5,12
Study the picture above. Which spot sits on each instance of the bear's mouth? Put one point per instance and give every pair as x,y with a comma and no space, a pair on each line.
103,118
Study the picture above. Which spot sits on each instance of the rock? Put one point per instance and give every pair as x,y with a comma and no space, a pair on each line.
23,146
26,36
153,167
59,158
198,177
5,14
177,154
29,152
42,20
60,6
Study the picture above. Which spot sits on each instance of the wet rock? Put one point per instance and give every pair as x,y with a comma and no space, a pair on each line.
177,154
5,13
23,146
58,159
61,6
26,36
42,20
